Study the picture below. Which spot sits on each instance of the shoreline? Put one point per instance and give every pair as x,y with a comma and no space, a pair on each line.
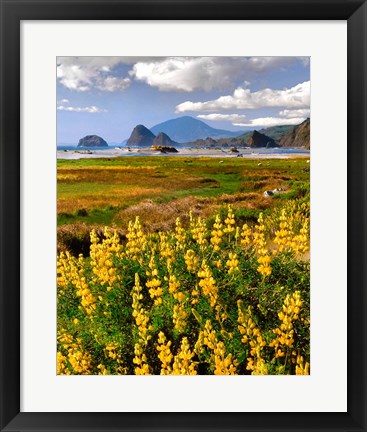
260,153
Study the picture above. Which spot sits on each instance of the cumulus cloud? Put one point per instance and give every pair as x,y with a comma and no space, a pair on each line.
63,101
242,98
271,121
185,74
220,117
112,83
295,113
202,73
88,109
84,73
165,73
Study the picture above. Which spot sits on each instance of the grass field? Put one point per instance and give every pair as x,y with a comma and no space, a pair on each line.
102,191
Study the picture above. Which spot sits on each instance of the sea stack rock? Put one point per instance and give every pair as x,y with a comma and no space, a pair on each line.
163,139
141,136
92,141
258,140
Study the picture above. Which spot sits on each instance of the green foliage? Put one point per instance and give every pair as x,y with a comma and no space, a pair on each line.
114,304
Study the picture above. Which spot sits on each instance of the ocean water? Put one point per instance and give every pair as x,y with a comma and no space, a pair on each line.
73,152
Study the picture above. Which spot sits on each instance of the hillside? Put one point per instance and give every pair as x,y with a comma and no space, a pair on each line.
285,135
276,132
299,136
188,129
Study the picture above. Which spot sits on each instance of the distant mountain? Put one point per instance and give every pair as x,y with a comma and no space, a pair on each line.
92,141
141,136
257,139
299,136
163,139
188,129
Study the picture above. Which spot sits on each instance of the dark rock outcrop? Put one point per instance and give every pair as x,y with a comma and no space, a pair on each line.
164,149
257,140
299,136
141,136
92,141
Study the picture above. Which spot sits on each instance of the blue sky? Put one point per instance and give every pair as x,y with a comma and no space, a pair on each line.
109,96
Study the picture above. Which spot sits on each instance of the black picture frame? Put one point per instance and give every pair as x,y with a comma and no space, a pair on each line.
12,12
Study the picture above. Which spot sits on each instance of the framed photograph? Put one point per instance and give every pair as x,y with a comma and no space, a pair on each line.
183,215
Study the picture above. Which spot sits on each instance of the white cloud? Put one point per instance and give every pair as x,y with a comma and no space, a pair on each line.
242,98
295,113
74,77
89,109
202,73
271,121
185,74
166,73
85,73
63,101
112,83
220,117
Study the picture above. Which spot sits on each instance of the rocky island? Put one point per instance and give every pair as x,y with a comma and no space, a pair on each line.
92,141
